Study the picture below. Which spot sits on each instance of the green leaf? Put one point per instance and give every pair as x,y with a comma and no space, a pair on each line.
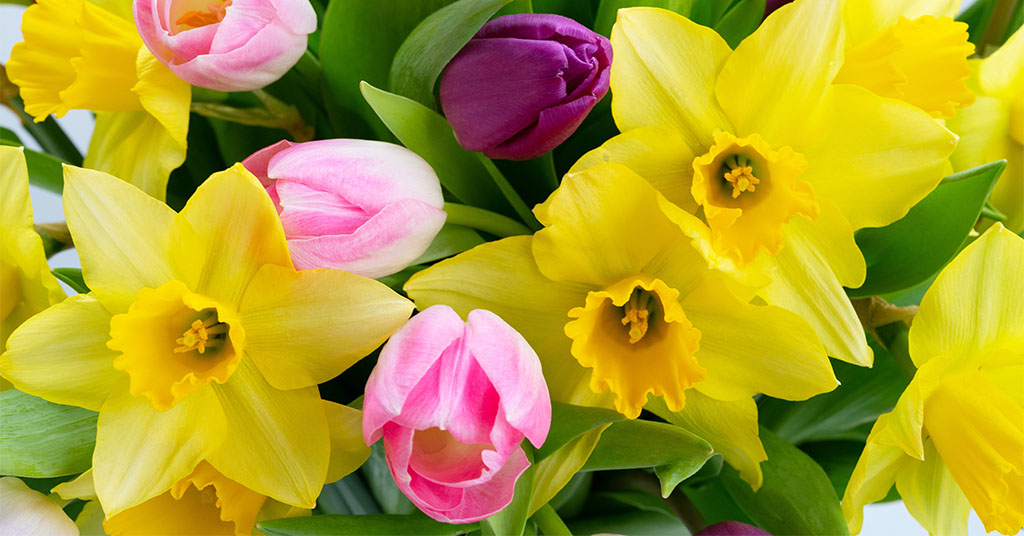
47,133
864,394
608,10
917,246
44,171
43,439
734,20
713,502
382,484
977,16
367,525
630,522
451,240
569,421
558,468
72,277
428,134
797,496
838,459
433,43
511,521
347,496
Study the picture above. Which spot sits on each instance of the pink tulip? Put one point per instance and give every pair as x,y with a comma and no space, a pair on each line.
226,45
366,207
453,402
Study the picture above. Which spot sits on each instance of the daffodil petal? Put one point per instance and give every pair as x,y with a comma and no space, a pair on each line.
141,452
932,495
503,278
974,304
875,158
15,205
61,354
664,74
306,327
730,428
135,146
80,487
749,349
873,477
657,154
348,450
268,431
781,70
866,18
1002,73
238,223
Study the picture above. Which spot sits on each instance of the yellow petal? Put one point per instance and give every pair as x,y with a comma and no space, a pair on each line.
749,349
193,513
15,205
866,18
782,70
105,64
267,431
873,157
664,74
502,277
1002,73
80,487
61,354
873,477
552,473
306,327
123,237
931,495
236,503
657,154
163,95
348,449
241,232
806,280
141,452
136,147
974,303
730,427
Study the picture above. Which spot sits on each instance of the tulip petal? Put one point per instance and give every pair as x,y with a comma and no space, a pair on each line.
306,327
27,511
931,494
267,430
486,499
141,452
75,368
782,68
348,451
873,477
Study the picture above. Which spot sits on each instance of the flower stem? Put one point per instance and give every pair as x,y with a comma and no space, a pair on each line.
510,194
549,523
484,220
998,22
275,114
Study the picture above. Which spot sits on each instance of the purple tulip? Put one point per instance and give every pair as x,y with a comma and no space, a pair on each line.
524,83
732,528
772,5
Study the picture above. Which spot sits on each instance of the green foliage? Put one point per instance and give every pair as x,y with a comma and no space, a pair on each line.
569,421
734,20
72,277
512,519
44,170
382,484
450,240
362,525
41,439
607,11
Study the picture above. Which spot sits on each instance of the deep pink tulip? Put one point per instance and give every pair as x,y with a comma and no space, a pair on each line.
732,528
524,83
366,207
226,45
453,401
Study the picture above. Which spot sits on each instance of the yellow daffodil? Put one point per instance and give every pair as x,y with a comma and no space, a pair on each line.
956,437
615,294
993,127
208,503
781,164
198,341
910,50
79,55
26,284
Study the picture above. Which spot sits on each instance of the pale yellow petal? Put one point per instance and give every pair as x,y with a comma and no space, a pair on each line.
15,205
348,449
932,495
873,477
80,487
306,327
135,147
866,18
552,473
1002,73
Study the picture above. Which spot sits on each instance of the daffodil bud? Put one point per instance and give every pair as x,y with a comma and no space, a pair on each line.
366,207
524,83
453,401
226,45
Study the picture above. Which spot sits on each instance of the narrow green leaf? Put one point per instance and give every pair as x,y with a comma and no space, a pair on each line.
713,502
382,484
838,459
608,10
511,521
740,20
47,133
42,439
629,522
569,421
44,170
72,277
797,496
917,246
433,43
451,240
347,496
367,525
976,16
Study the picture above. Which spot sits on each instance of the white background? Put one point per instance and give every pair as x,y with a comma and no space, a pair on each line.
885,519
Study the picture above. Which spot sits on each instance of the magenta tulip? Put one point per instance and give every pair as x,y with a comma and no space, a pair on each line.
453,401
226,45
524,83
366,207
732,528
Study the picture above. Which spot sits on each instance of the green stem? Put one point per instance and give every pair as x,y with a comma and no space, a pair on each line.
510,194
48,134
484,220
992,213
998,22
549,523
895,338
548,170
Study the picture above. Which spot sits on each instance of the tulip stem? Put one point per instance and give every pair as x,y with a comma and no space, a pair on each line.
549,523
510,194
484,220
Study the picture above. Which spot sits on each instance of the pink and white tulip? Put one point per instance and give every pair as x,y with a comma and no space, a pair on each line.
453,401
226,45
366,207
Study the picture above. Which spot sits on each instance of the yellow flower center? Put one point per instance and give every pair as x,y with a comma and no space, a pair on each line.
173,341
921,61
10,289
212,14
747,192
637,339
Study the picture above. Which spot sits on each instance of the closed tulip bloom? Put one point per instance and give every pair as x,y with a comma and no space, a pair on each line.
366,207
453,400
733,528
523,84
226,45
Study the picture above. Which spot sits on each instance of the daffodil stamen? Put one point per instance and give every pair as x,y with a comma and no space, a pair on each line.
742,180
636,315
201,335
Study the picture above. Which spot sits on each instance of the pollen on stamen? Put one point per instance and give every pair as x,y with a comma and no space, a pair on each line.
202,334
742,180
636,315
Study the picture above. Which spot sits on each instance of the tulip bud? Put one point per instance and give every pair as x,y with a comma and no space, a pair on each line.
523,84
366,207
732,528
226,45
453,401
27,511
